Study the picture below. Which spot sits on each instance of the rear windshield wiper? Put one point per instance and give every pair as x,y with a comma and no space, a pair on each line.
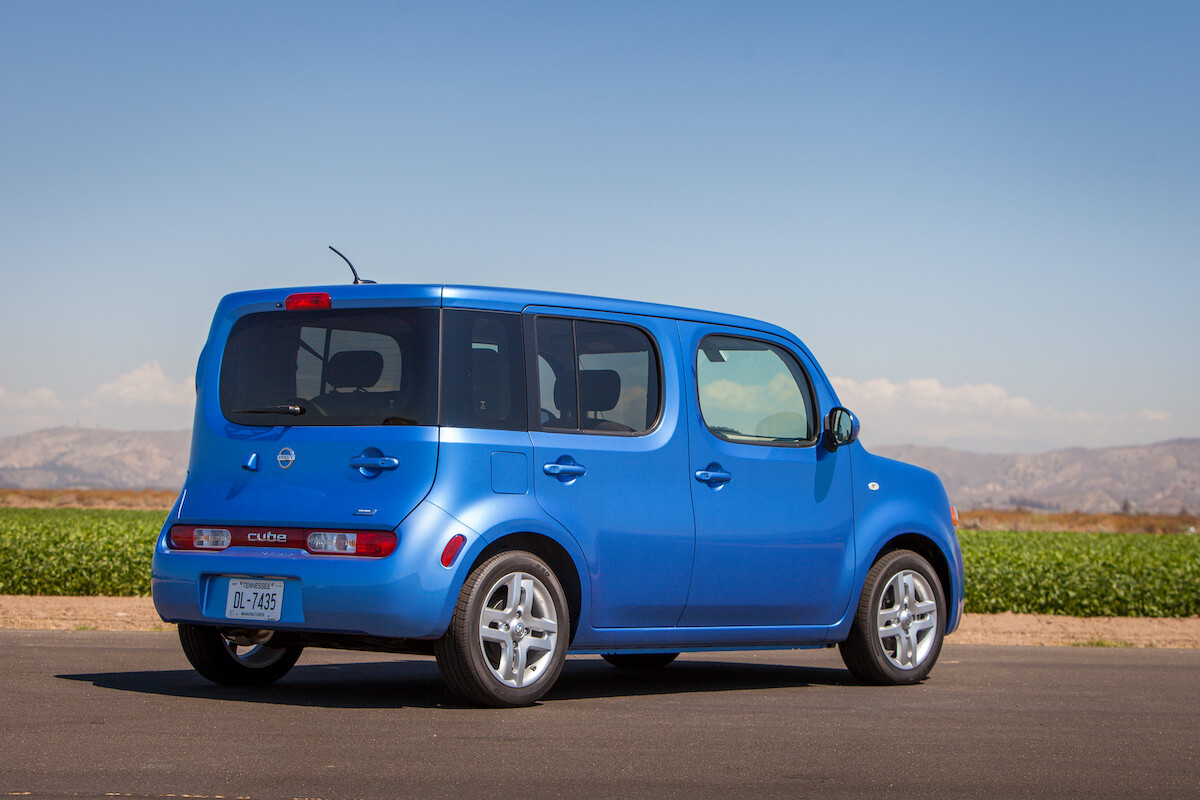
282,408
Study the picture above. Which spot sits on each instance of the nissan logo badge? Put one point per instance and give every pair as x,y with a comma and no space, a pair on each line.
286,457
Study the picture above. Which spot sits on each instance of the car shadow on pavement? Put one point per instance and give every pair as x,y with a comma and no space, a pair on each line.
415,683
594,678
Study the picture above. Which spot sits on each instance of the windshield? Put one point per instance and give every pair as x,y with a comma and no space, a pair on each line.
332,367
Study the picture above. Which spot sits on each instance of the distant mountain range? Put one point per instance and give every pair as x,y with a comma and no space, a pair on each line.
1159,478
84,458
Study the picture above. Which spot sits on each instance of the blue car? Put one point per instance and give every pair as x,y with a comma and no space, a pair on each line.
498,477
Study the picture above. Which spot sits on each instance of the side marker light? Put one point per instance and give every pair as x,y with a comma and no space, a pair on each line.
450,552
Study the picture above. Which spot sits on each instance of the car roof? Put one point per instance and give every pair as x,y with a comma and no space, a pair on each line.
496,298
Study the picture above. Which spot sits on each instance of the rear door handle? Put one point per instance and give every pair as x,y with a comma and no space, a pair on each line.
711,476
374,462
572,470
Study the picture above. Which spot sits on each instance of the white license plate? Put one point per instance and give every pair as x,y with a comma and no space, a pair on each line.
251,599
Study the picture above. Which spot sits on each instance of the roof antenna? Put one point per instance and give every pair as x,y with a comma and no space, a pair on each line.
351,266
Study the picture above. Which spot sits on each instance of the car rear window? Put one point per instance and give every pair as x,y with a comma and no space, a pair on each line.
332,367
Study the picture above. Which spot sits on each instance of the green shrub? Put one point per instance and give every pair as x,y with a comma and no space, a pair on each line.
1082,574
76,551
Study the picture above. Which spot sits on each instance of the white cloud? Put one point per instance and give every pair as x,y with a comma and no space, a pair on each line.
985,416
147,385
141,399
33,400
29,411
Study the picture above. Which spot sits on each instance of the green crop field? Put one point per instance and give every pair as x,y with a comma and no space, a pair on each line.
71,551
1082,574
95,552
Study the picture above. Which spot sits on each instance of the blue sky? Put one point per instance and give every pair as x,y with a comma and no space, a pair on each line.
981,218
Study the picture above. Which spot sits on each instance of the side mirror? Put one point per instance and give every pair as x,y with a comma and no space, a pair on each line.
841,428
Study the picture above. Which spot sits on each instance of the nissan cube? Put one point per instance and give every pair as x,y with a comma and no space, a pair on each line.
498,478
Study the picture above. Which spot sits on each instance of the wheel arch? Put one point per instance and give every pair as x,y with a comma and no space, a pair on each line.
927,549
938,547
555,556
946,565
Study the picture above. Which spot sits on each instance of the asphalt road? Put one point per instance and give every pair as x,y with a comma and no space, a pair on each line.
90,715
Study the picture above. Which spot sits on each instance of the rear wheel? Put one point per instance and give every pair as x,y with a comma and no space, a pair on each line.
898,629
640,660
236,657
508,638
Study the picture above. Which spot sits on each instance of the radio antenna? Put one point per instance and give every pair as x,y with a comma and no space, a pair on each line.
351,266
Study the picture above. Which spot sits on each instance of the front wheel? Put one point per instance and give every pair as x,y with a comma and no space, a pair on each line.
901,619
236,657
508,638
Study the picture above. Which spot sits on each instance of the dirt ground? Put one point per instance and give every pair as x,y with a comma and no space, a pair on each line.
145,500
137,614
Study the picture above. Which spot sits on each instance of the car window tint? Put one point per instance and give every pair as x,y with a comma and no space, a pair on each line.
754,392
618,377
483,370
337,367
596,376
556,374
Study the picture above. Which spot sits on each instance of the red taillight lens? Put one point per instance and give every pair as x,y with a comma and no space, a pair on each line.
352,543
308,301
450,552
375,543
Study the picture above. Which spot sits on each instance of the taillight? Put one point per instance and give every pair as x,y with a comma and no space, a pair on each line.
308,301
357,543
187,538
377,544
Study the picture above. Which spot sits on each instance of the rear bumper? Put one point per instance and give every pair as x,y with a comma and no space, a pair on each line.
408,594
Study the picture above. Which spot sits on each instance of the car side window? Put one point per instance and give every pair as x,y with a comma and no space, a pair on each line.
596,377
483,370
753,392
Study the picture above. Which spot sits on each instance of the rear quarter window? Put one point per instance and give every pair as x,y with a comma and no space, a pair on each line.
483,370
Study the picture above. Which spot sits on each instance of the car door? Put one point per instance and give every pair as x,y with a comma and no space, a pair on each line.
774,523
611,457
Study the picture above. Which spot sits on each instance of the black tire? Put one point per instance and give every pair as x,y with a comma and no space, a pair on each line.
903,648
242,659
639,660
508,638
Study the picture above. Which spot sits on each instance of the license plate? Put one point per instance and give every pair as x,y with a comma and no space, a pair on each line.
250,599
